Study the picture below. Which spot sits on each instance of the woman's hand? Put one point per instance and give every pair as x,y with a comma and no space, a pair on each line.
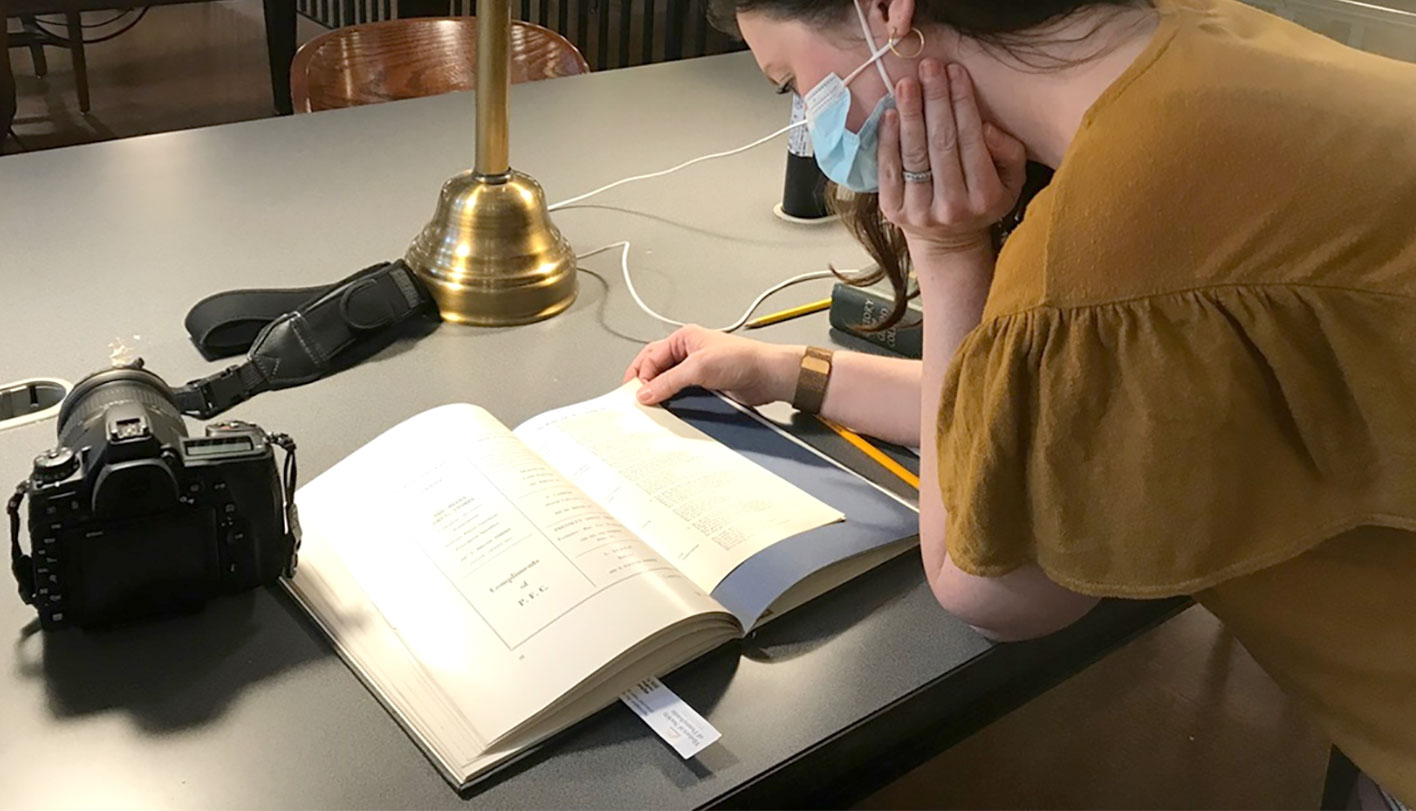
976,170
749,371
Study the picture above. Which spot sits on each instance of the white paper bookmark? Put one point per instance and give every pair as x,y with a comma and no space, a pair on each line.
670,716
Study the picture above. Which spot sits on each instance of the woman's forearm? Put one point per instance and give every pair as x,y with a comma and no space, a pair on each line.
953,289
875,395
1023,603
895,399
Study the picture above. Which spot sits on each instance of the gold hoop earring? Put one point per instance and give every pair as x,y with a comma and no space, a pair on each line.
918,50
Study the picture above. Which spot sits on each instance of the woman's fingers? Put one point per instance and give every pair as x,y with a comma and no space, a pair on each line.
655,357
914,146
985,190
892,192
633,370
656,361
950,194
673,380
1010,158
693,356
975,170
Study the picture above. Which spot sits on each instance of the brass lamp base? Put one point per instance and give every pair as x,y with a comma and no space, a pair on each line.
491,256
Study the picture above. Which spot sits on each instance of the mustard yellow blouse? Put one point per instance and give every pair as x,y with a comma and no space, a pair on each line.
1196,370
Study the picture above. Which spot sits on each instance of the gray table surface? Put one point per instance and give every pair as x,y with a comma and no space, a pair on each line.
245,705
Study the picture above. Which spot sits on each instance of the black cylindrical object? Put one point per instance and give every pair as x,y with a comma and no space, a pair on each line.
82,421
804,193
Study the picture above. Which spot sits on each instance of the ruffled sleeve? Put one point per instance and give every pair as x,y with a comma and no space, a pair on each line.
1162,445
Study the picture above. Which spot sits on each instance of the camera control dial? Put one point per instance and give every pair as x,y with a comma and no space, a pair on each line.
55,465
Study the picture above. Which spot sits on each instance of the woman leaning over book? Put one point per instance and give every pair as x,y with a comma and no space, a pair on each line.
1191,370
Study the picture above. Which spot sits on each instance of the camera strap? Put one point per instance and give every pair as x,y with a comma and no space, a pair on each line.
19,561
294,336
289,479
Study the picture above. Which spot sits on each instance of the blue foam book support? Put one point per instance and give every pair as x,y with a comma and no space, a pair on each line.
874,517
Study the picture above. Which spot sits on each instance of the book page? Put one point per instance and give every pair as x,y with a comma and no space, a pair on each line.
703,506
875,518
503,580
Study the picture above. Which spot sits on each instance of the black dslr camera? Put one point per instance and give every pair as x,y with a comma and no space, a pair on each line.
130,517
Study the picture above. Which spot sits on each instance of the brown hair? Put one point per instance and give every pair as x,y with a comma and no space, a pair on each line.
1012,26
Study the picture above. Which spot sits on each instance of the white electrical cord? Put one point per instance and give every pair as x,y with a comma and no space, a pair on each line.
624,245
736,325
684,165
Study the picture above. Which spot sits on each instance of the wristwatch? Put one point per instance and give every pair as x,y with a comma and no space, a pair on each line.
811,380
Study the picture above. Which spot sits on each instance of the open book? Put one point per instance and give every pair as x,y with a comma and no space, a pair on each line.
492,587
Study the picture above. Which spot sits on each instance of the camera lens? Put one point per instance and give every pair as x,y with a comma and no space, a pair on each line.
82,418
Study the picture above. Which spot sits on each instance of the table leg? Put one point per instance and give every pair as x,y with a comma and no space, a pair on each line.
280,44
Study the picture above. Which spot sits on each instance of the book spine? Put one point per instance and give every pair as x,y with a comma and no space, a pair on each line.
854,308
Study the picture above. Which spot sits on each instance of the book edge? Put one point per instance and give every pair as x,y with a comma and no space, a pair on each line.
439,762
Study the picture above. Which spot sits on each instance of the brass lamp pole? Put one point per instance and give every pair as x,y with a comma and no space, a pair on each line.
490,255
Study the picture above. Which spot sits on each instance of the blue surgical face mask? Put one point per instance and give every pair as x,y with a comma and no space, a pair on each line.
848,158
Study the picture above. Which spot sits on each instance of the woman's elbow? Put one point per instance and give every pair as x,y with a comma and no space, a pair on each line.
1007,626
1020,631
1020,605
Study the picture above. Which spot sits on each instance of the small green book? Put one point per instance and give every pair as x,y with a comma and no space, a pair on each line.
855,309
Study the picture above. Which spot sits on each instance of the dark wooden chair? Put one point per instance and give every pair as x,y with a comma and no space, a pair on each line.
404,59
35,38
7,80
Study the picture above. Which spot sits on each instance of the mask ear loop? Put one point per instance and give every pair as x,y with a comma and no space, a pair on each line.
918,50
874,53
873,60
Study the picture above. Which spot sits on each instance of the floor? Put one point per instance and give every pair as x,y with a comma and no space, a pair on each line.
1180,718
181,67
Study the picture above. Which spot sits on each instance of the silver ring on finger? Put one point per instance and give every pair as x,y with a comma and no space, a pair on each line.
918,177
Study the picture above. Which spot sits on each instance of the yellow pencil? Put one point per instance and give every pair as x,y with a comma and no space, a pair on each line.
805,309
873,452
